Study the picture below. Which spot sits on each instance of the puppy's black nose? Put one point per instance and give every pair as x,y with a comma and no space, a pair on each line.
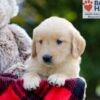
47,58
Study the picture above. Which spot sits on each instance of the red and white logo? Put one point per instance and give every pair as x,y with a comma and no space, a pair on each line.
91,9
88,4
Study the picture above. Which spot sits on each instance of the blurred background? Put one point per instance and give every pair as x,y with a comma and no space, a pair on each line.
32,12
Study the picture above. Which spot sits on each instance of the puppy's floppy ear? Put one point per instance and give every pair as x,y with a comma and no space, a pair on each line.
78,44
33,47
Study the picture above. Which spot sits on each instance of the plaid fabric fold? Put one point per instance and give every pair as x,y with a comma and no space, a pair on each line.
11,88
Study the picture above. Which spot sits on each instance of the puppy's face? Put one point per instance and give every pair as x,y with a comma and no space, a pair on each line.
52,48
54,43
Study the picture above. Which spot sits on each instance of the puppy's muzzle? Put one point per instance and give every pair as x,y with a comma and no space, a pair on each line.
47,59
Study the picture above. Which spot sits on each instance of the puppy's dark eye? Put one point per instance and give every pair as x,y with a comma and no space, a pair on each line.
59,42
40,41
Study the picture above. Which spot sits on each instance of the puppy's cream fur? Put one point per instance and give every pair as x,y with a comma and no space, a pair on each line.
65,56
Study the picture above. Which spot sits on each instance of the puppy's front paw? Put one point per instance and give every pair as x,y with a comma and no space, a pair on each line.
31,82
57,79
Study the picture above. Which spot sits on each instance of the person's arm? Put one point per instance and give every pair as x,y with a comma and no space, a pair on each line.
22,39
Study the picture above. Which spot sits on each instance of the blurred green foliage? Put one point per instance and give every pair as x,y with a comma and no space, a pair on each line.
32,12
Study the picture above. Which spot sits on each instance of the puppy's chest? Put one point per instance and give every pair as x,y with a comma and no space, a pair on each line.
45,72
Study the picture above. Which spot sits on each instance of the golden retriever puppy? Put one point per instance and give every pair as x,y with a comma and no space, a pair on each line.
57,47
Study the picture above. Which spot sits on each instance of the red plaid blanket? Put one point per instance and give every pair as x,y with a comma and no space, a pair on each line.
11,89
